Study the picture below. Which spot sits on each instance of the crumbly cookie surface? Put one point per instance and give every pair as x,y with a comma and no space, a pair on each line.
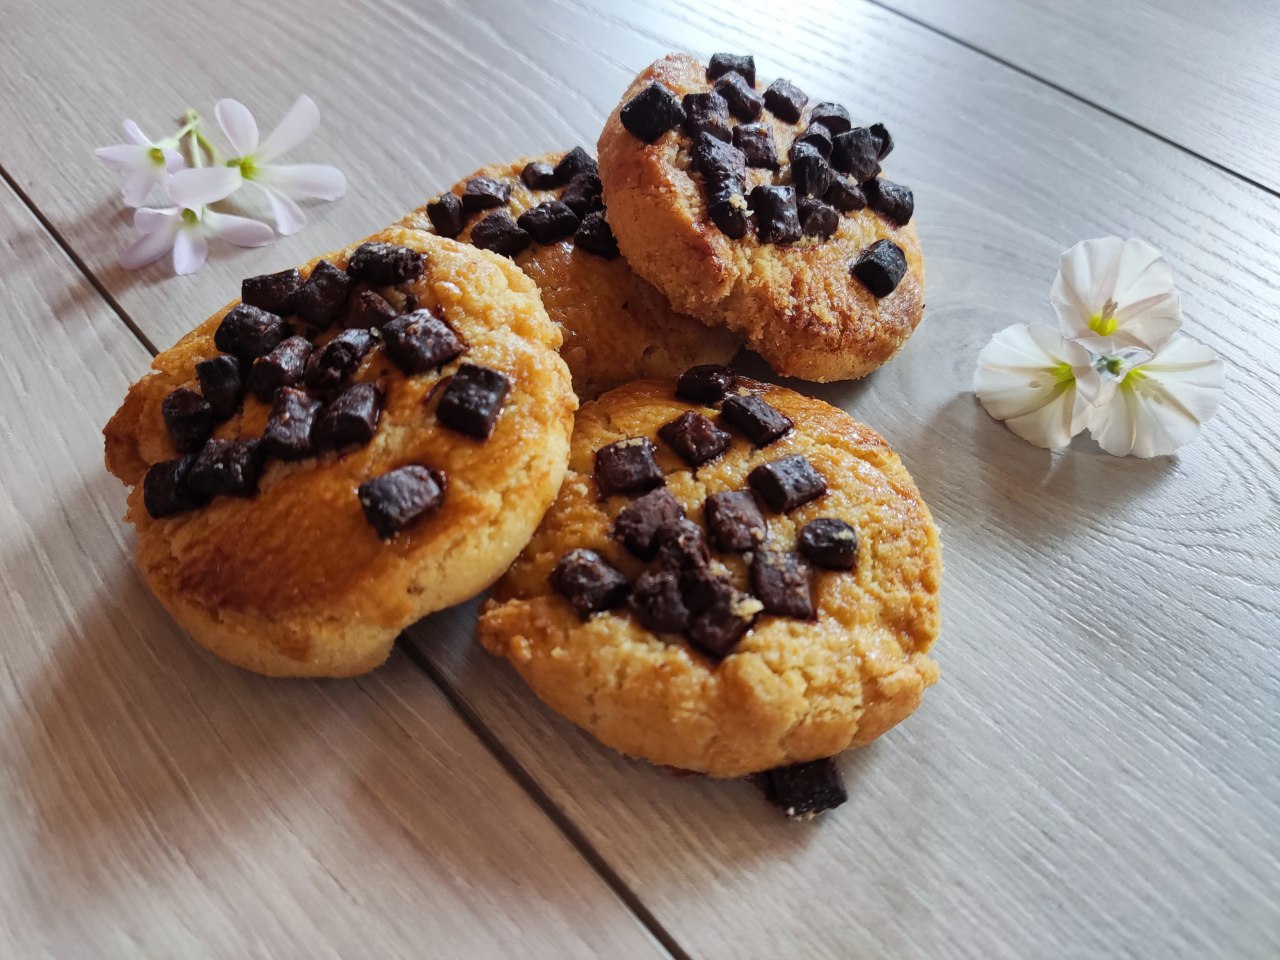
616,326
797,304
792,689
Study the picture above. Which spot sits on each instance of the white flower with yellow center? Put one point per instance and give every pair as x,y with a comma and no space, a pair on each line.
145,162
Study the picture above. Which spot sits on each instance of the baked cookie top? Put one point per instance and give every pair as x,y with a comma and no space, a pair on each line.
756,208
734,577
547,214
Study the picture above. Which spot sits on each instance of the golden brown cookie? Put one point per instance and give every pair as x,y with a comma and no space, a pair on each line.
805,632
616,326
348,487
793,293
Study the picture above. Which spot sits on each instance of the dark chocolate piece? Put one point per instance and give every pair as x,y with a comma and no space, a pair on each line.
282,367
324,296
499,233
844,194
695,438
728,210
651,113
272,292
288,432
420,341
485,193
582,195
735,522
759,422
880,267
706,383
189,419
657,603
781,581
817,136
719,163
368,310
228,468
810,171
596,236
856,152
682,546
627,466
883,140
755,140
777,217
539,176
787,483
785,100
830,543
473,400
445,214
804,790
400,497
249,332
833,116
548,222
891,200
817,219
637,524
707,113
384,264
165,490
724,619
574,162
338,359
589,584
722,63
221,384
351,417
744,103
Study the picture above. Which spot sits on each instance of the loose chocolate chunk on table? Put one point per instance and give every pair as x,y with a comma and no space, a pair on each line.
880,267
760,422
445,214
582,195
351,417
781,581
844,194
744,103
803,790
368,310
574,162
735,522
596,236
651,113
288,432
249,332
810,171
727,208
785,100
499,233
723,620
401,497
273,292
589,584
338,359
682,546
694,437
856,152
637,524
722,63
323,297
539,176
485,193
657,603
189,419
787,483
707,113
833,116
883,140
755,140
627,466
706,383
549,221
829,542
165,491
719,162
817,219
228,468
777,216
385,264
891,200
221,384
420,341
282,367
817,136
472,401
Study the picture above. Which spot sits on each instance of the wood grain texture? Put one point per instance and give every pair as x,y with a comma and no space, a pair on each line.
1204,75
155,802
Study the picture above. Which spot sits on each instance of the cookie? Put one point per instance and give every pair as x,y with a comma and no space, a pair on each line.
750,206
616,326
397,455
771,605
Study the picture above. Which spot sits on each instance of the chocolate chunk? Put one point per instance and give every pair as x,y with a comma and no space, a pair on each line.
891,200
272,292
288,432
189,419
810,172
385,264
728,210
338,359
682,546
282,367
759,422
627,466
575,162
777,217
744,103
880,267
884,142
499,233
582,195
720,163
781,581
817,219
596,236
323,297
829,543
787,483
651,113
832,116
351,417
420,341
707,113
445,214
844,194
803,790
539,176
249,332
657,603
817,136
706,383
400,497
549,221
589,584
855,152
221,384
723,620
165,490
694,437
472,401
755,140
368,310
228,468
785,100
485,193
722,63
735,522
637,524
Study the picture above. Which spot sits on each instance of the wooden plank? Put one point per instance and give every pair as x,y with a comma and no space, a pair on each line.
156,802
1204,75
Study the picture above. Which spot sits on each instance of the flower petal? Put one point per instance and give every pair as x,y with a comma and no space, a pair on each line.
190,249
238,125
309,179
139,185
1085,280
125,156
198,186
242,231
173,160
298,124
151,219
133,133
287,214
150,247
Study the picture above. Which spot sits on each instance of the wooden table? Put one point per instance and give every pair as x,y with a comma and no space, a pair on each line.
1097,774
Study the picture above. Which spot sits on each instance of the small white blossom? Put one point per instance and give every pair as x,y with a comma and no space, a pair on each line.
145,162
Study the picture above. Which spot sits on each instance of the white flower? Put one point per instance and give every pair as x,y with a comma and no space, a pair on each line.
1038,382
185,227
1158,404
254,160
146,162
1110,294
